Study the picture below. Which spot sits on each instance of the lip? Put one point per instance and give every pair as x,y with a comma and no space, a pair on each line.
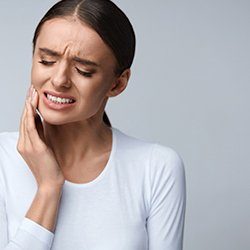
59,95
56,106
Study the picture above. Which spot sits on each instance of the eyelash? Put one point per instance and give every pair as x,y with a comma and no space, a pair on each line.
86,74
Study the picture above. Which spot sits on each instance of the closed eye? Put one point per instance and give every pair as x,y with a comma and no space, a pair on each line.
46,62
84,73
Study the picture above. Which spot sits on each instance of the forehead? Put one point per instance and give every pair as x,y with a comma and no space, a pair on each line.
73,38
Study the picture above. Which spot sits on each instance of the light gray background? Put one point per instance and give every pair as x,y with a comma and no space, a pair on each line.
189,90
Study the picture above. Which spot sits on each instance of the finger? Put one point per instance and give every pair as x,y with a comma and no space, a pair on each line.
35,97
38,122
24,109
28,93
22,120
31,129
27,139
34,101
21,139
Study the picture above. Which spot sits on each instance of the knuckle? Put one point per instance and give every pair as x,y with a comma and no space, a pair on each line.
19,148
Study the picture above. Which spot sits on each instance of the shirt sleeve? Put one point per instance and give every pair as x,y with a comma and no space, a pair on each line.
165,221
29,235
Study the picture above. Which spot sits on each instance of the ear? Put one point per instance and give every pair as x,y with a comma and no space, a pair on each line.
119,84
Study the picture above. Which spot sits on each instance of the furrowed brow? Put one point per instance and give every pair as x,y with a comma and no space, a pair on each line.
85,62
49,52
76,59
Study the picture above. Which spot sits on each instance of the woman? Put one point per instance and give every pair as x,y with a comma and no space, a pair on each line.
69,180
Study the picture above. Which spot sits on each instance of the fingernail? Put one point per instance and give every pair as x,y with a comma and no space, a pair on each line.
33,94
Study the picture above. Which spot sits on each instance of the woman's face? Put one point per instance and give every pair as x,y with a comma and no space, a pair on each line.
64,62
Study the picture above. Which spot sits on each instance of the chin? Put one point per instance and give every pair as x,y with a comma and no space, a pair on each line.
53,119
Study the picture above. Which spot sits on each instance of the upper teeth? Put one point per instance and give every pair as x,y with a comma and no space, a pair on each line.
58,99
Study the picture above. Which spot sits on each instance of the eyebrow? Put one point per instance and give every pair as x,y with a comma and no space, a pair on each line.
76,59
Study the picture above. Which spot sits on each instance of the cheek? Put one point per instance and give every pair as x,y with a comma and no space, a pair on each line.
100,88
37,76
90,92
93,93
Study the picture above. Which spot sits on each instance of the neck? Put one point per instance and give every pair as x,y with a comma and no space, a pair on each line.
74,142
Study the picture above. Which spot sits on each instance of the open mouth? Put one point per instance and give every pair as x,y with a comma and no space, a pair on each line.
59,100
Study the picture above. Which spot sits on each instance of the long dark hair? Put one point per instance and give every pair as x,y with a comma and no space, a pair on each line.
108,20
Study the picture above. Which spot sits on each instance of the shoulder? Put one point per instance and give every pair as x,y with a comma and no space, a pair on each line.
167,174
161,168
167,157
129,146
167,166
158,156
8,139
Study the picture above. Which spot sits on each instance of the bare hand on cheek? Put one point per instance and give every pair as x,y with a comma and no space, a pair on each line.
32,146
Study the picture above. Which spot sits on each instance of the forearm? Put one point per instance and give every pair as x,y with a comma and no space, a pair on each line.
44,207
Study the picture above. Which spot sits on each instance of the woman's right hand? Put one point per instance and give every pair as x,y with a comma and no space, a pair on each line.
32,146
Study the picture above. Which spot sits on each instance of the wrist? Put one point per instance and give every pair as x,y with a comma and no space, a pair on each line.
49,190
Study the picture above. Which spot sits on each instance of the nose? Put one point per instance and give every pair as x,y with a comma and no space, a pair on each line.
61,76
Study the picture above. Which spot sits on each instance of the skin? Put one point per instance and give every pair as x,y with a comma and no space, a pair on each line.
73,144
86,138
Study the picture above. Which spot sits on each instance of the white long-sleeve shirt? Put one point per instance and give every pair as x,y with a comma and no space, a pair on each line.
136,203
